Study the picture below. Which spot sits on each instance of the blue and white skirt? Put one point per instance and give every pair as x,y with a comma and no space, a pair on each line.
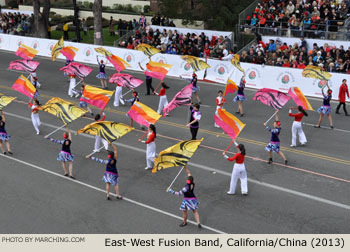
4,136
195,89
110,178
239,98
274,147
102,76
83,104
65,157
326,110
189,204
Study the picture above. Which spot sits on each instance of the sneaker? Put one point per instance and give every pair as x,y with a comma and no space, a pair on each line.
108,198
77,95
270,161
294,145
285,161
122,101
9,152
317,126
66,174
242,115
332,127
230,193
5,153
148,168
237,112
72,177
199,225
183,224
337,112
303,144
38,132
118,197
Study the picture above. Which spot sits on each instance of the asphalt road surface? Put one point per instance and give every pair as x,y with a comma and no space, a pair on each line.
309,195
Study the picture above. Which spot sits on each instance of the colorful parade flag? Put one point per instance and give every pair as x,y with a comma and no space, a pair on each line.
299,98
24,86
236,62
24,65
316,72
96,96
125,80
229,123
176,155
181,98
5,100
77,69
56,50
143,114
26,52
103,51
157,70
196,63
230,87
118,63
147,49
271,97
62,109
69,52
110,131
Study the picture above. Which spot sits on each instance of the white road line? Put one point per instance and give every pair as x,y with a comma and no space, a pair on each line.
100,190
323,127
207,168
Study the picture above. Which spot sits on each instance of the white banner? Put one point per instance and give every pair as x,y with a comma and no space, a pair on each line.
16,11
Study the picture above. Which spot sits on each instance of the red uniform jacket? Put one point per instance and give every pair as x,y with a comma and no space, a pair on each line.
342,91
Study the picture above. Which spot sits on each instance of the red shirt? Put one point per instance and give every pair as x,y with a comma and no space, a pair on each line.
286,65
162,92
297,117
238,157
150,138
342,91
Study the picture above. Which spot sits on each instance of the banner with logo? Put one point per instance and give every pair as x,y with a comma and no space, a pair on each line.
219,71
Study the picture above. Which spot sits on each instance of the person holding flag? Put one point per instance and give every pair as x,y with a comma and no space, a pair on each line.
220,100
35,114
72,84
151,146
149,86
190,201
102,74
4,137
238,171
99,139
36,85
240,96
118,98
163,101
274,145
195,88
65,155
325,109
194,120
111,175
297,127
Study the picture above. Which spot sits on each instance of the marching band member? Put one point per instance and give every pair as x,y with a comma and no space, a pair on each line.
151,146
102,74
35,114
297,126
4,137
240,97
274,145
220,100
194,120
325,109
99,139
163,101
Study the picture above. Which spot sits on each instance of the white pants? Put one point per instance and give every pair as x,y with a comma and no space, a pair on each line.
150,154
216,112
118,94
72,84
98,141
239,172
297,129
36,122
163,101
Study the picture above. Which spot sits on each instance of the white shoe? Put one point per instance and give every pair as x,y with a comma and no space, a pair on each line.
96,151
230,193
38,132
77,95
303,144
216,126
121,100
148,168
293,146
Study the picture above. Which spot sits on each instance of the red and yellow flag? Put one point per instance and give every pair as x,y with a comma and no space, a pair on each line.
96,96
118,63
24,86
26,52
230,87
229,123
143,114
299,98
69,52
157,70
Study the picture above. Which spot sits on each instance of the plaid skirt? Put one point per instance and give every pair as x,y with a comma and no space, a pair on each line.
189,204
102,76
83,104
65,157
239,98
195,89
274,147
4,136
110,178
326,110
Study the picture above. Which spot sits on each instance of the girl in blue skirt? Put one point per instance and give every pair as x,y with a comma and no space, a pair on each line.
240,96
4,137
325,109
274,145
102,74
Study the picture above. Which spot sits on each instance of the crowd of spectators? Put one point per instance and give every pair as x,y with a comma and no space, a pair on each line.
181,44
16,23
309,18
298,55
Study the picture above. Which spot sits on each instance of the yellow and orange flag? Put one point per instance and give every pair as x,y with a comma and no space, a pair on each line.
196,63
236,62
316,72
229,123
299,98
26,52
143,114
56,50
230,87
5,100
96,96
157,70
110,131
69,52
24,86
103,51
176,155
147,49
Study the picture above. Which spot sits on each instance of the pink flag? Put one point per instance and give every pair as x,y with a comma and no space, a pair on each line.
125,80
24,65
181,98
271,97
77,69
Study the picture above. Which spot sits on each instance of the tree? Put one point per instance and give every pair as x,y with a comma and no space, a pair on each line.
41,19
76,20
97,11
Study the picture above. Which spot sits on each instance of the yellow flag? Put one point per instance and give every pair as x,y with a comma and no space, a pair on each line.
103,51
196,63
176,155
147,49
55,52
316,72
64,110
235,61
110,131
5,100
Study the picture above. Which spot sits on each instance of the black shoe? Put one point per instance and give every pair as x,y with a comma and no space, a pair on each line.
5,153
108,198
317,126
66,174
71,177
199,103
270,161
242,115
199,225
183,224
9,152
237,112
332,127
337,112
119,197
285,161
245,194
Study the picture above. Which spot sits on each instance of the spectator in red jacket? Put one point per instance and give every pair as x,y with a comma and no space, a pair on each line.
343,90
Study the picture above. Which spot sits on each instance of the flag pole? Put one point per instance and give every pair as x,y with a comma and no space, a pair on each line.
175,178
56,130
95,151
143,136
157,86
272,116
229,145
81,80
127,92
